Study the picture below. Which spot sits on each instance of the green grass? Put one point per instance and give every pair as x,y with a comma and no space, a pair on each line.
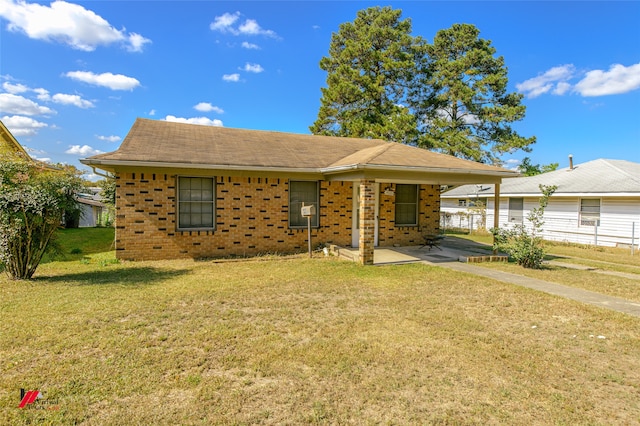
618,286
306,341
78,243
607,258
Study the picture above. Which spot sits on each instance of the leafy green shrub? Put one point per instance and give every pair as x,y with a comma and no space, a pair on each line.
32,204
524,246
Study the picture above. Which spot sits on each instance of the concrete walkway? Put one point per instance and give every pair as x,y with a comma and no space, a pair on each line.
584,296
452,249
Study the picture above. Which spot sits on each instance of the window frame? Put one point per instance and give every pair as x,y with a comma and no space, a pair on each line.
510,217
417,205
213,203
592,216
315,220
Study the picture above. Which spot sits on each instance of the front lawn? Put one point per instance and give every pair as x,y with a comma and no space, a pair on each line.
306,341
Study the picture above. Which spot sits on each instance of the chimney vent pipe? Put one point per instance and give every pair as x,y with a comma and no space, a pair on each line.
570,162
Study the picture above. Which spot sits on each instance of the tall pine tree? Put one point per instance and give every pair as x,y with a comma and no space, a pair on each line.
371,64
449,96
462,103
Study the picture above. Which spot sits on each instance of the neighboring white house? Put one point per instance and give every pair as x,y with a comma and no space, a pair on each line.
93,212
597,202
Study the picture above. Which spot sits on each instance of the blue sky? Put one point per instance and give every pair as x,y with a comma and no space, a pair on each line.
74,76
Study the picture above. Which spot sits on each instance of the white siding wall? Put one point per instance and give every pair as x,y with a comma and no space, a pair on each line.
616,221
458,217
562,220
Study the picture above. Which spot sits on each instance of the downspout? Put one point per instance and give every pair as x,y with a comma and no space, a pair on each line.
95,172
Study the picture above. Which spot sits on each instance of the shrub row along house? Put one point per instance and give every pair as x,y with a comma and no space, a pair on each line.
185,190
597,202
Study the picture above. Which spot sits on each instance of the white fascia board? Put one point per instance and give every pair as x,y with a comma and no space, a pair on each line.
435,170
554,195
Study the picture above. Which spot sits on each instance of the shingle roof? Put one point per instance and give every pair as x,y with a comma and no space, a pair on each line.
168,144
597,177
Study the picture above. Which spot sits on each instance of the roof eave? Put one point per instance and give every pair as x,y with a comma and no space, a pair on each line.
110,165
433,170
538,194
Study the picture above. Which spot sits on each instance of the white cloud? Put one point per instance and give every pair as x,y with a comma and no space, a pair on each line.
22,126
66,23
109,138
251,27
137,42
83,151
562,88
61,98
256,68
231,77
15,104
619,79
14,88
250,46
194,120
107,79
207,107
43,94
544,83
152,112
226,23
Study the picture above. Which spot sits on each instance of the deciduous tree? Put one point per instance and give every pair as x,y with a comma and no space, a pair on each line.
527,168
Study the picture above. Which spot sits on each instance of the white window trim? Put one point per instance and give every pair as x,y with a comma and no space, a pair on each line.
511,219
580,214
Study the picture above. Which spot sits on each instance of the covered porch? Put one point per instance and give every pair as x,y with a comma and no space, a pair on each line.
367,205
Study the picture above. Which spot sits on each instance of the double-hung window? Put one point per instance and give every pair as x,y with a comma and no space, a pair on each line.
303,192
406,205
590,212
515,209
196,203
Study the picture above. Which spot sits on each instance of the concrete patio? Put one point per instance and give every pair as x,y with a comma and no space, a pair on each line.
451,249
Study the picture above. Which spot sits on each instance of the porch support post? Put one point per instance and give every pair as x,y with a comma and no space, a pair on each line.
496,213
367,221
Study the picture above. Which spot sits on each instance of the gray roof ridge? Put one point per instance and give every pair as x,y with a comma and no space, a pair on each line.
377,151
619,170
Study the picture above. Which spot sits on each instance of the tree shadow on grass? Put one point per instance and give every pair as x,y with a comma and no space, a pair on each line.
135,276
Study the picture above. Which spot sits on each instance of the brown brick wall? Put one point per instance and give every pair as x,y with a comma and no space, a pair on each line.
252,218
428,218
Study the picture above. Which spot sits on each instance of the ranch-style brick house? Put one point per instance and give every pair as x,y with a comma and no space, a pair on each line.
192,191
